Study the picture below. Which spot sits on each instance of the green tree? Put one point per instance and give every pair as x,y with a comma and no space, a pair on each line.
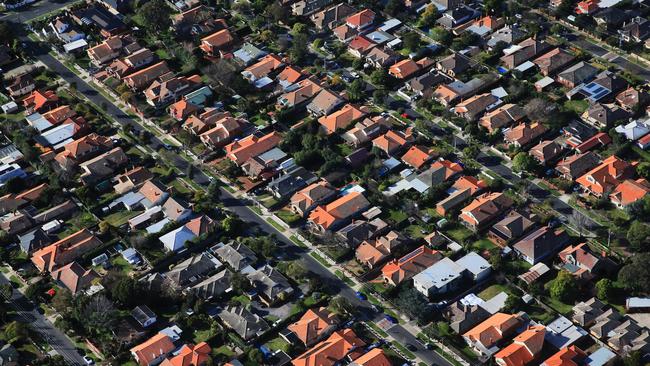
442,36
604,289
7,35
428,16
155,16
635,275
564,287
379,97
298,50
493,6
16,332
411,41
639,236
512,304
342,306
125,290
379,78
298,28
297,270
355,90
643,169
522,162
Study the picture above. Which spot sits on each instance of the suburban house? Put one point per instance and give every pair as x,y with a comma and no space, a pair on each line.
541,244
106,51
577,74
524,134
463,316
214,286
484,337
574,166
215,44
308,198
525,348
190,354
264,68
597,140
393,141
222,132
502,117
153,350
546,151
484,210
176,239
484,26
120,68
373,252
629,191
473,107
198,124
242,150
447,275
154,194
237,255
510,228
166,91
602,115
64,251
341,119
303,93
423,85
139,80
582,262
334,349
462,190
40,101
360,45
408,68
375,356
381,57
131,179
246,324
270,285
102,166
336,213
553,61
21,85
314,325
634,130
602,179
524,51
324,103
454,64
635,30
74,277
192,269
399,270
629,98
81,150
331,17
366,130
567,356
417,157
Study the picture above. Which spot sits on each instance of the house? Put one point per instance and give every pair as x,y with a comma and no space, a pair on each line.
602,179
634,130
553,61
16,222
361,20
577,74
331,17
303,93
270,285
199,124
39,101
308,198
546,151
393,141
501,117
409,265
446,275
143,315
314,325
238,256
102,166
357,231
629,191
506,36
457,16
10,202
406,68
267,165
526,347
175,240
629,98
336,213
484,337
154,194
516,55
473,107
366,130
291,181
644,142
510,228
242,150
582,262
454,64
33,240
120,68
21,85
374,357
308,7
332,350
635,30
423,85
192,269
143,78
65,250
416,157
585,313
81,150
106,51
577,165
484,209
263,68
371,253
603,115
74,277
587,7
463,316
98,16
484,26
360,45
189,354
222,132
163,92
131,179
568,356
153,350
381,57
524,133
605,84
599,139
462,189
215,44
246,324
289,76
540,244
324,103
213,286
341,119
448,94
248,53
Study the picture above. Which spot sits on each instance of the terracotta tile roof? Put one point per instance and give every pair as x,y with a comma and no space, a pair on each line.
38,99
201,225
340,209
371,253
376,357
313,325
311,194
600,138
290,74
524,348
155,347
74,277
524,133
581,256
152,190
361,44
502,117
60,114
450,167
144,77
630,97
65,250
606,176
251,146
190,355
223,131
630,191
392,140
182,109
473,183
330,351
570,356
445,94
341,118
306,90
485,208
218,39
493,329
265,66
409,265
32,193
404,69
417,157
553,60
86,144
361,19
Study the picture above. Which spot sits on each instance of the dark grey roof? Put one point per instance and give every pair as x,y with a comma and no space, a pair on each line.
33,240
292,181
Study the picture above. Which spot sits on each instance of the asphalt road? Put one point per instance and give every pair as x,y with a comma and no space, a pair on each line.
33,11
26,311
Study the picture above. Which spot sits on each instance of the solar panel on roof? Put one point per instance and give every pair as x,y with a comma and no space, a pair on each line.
410,255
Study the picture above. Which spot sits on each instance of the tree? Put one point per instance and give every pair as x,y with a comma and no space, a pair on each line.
442,36
635,276
443,328
105,227
6,33
379,78
580,221
124,290
633,359
298,28
496,260
411,41
564,287
538,109
522,162
62,301
379,97
297,270
639,236
413,303
493,6
16,332
429,15
355,90
342,306
298,49
155,15
278,12
604,289
394,7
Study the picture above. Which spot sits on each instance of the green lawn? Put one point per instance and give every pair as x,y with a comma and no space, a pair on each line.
397,216
416,231
320,259
408,354
344,278
242,299
288,216
275,224
483,244
577,106
458,232
377,329
120,264
224,350
491,291
278,344
120,218
298,241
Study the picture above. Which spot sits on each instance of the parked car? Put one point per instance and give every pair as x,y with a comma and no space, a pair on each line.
361,296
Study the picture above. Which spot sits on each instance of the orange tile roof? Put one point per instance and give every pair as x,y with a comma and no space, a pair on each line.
451,168
524,348
38,99
330,351
371,253
157,346
341,208
473,183
445,94
86,144
416,157
182,109
485,207
409,265
144,77
360,19
217,39
60,114
251,146
290,74
190,355
630,191
200,225
152,191
361,44
313,324
493,329
341,118
391,140
376,357
570,356
32,193
264,66
404,69
606,176
65,250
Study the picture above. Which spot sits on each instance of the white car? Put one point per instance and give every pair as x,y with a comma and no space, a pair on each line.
88,360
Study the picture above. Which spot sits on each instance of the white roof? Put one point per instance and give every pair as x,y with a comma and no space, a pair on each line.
637,302
544,82
155,228
175,239
75,45
525,66
390,24
474,263
39,122
59,134
634,130
440,274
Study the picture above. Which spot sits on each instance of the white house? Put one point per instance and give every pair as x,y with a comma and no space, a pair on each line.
634,130
444,276
175,240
